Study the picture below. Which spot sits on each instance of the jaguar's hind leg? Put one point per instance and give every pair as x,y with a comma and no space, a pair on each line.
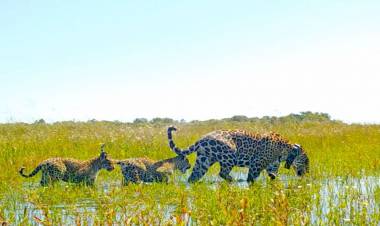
45,179
201,166
55,173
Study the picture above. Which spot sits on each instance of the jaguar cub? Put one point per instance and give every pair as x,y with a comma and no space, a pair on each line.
71,170
147,170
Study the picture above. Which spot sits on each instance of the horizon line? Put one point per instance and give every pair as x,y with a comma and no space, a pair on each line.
182,120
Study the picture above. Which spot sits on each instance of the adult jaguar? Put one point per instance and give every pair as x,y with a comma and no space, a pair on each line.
239,148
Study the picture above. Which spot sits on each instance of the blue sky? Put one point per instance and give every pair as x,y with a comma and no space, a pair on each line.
118,60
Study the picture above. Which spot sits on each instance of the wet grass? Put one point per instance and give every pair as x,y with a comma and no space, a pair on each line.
343,186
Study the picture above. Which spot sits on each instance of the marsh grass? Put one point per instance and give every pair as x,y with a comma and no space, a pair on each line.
343,186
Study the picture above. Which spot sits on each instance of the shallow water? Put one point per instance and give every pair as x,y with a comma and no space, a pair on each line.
357,193
360,192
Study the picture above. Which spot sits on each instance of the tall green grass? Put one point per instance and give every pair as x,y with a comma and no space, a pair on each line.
339,155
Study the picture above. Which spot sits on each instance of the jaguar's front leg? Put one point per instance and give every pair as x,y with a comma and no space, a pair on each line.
254,171
272,169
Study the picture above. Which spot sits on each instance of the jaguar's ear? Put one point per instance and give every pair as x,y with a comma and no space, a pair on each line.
102,147
297,146
103,155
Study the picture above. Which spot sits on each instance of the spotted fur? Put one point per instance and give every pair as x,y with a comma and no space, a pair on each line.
238,148
147,170
71,170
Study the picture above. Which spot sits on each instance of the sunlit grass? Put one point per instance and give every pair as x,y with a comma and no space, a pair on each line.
340,155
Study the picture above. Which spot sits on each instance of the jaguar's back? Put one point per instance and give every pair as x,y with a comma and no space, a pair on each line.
147,170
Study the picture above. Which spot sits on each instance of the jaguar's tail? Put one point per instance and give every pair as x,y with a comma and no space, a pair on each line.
35,171
178,151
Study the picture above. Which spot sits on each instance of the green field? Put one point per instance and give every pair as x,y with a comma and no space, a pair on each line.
343,186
